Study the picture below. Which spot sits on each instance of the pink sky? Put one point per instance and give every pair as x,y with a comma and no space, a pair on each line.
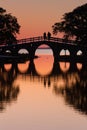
38,16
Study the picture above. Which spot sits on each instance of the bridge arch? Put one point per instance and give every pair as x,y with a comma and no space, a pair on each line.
43,49
23,51
45,59
64,52
7,52
44,45
79,53
56,45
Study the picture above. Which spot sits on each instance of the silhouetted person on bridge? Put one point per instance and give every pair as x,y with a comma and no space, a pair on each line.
44,35
49,35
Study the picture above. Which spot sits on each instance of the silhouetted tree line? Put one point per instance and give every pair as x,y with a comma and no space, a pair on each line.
73,25
9,27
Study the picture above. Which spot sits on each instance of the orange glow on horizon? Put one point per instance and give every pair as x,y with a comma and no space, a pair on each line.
37,17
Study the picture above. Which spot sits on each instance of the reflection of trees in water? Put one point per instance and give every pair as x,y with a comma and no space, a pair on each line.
74,90
8,91
71,84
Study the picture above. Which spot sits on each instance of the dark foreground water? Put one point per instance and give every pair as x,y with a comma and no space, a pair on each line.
43,95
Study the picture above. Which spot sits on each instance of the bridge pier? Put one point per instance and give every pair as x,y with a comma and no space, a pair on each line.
31,55
56,53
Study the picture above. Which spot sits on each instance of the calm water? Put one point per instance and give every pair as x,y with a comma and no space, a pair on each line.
43,95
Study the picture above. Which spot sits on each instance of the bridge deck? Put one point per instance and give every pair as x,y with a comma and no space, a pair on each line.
41,38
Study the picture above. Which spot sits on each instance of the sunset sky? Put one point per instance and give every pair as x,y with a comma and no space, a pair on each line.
38,16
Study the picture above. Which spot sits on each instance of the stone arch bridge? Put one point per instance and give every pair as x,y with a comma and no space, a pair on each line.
56,44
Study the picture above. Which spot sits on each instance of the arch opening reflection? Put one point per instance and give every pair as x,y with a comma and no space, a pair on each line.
23,67
7,67
64,66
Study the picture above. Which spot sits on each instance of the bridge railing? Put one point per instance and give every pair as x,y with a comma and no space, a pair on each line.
29,40
41,38
62,40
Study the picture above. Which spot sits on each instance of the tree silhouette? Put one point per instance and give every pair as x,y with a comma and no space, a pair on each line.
73,24
9,27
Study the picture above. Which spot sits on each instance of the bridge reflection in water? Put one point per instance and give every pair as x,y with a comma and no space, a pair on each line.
65,78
